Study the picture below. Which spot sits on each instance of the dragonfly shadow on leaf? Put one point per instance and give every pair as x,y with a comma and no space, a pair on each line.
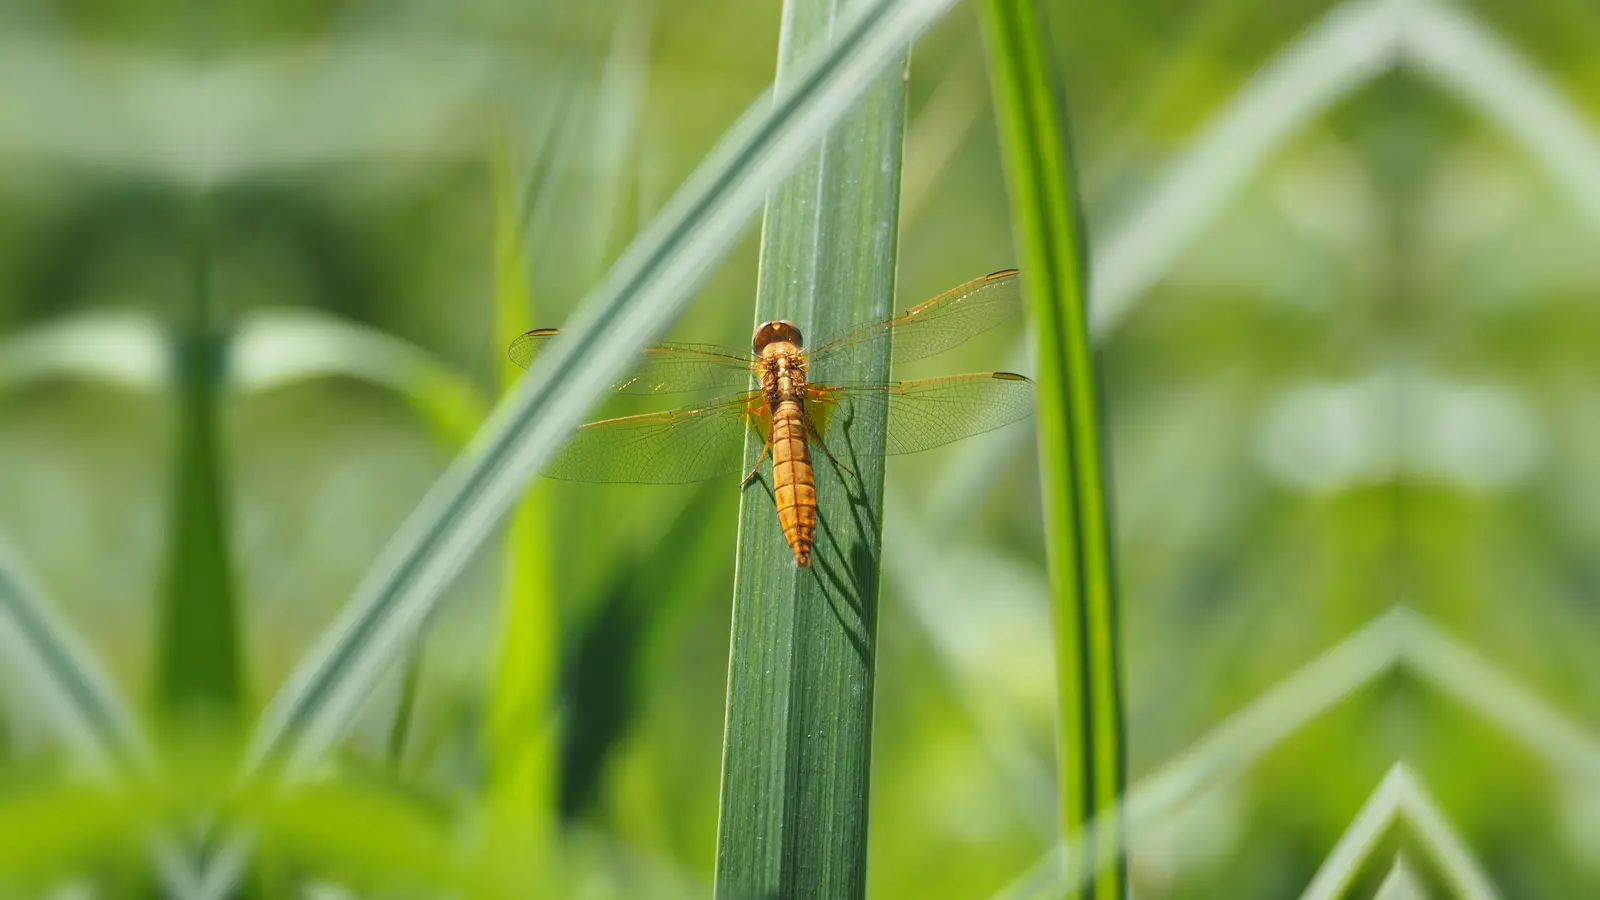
846,573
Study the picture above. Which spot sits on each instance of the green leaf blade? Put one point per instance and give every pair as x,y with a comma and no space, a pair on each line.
797,748
1073,469
74,692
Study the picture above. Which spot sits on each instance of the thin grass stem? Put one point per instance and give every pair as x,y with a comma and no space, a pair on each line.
1073,461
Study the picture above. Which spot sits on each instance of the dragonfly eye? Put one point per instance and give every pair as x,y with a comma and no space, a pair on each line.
779,330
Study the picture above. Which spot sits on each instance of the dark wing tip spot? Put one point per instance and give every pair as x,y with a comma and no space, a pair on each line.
1011,376
543,332
1003,273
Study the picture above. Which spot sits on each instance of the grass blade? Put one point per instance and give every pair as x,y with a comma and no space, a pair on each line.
76,695
198,656
1375,818
797,747
276,349
1442,839
1399,639
1399,797
1400,883
118,348
73,691
1343,52
1462,55
1076,499
1231,748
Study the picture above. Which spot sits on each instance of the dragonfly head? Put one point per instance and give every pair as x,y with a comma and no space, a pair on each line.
771,332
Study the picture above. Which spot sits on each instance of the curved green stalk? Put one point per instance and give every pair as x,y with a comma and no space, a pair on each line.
1072,458
797,749
39,648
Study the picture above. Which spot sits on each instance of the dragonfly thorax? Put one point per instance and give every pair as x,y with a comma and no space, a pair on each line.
782,364
782,373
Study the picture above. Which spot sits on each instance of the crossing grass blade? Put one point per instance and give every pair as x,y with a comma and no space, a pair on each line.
73,692
797,747
75,695
1072,453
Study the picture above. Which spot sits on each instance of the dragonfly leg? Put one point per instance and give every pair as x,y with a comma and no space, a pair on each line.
757,470
817,439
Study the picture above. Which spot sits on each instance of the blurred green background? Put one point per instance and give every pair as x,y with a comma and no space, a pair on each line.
1351,366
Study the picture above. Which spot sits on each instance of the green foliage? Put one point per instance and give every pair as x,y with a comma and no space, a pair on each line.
53,827
1342,288
1091,750
798,746
68,683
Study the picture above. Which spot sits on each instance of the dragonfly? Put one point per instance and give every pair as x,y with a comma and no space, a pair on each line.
792,414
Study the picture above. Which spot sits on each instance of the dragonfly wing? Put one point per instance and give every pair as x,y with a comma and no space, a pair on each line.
673,447
926,412
941,323
662,369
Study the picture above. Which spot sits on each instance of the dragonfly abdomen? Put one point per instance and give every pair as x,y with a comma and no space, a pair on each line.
794,485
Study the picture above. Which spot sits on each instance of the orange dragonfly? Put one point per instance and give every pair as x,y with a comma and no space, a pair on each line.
788,411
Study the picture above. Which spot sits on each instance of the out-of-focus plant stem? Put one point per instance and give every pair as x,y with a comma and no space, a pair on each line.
1073,461
198,657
